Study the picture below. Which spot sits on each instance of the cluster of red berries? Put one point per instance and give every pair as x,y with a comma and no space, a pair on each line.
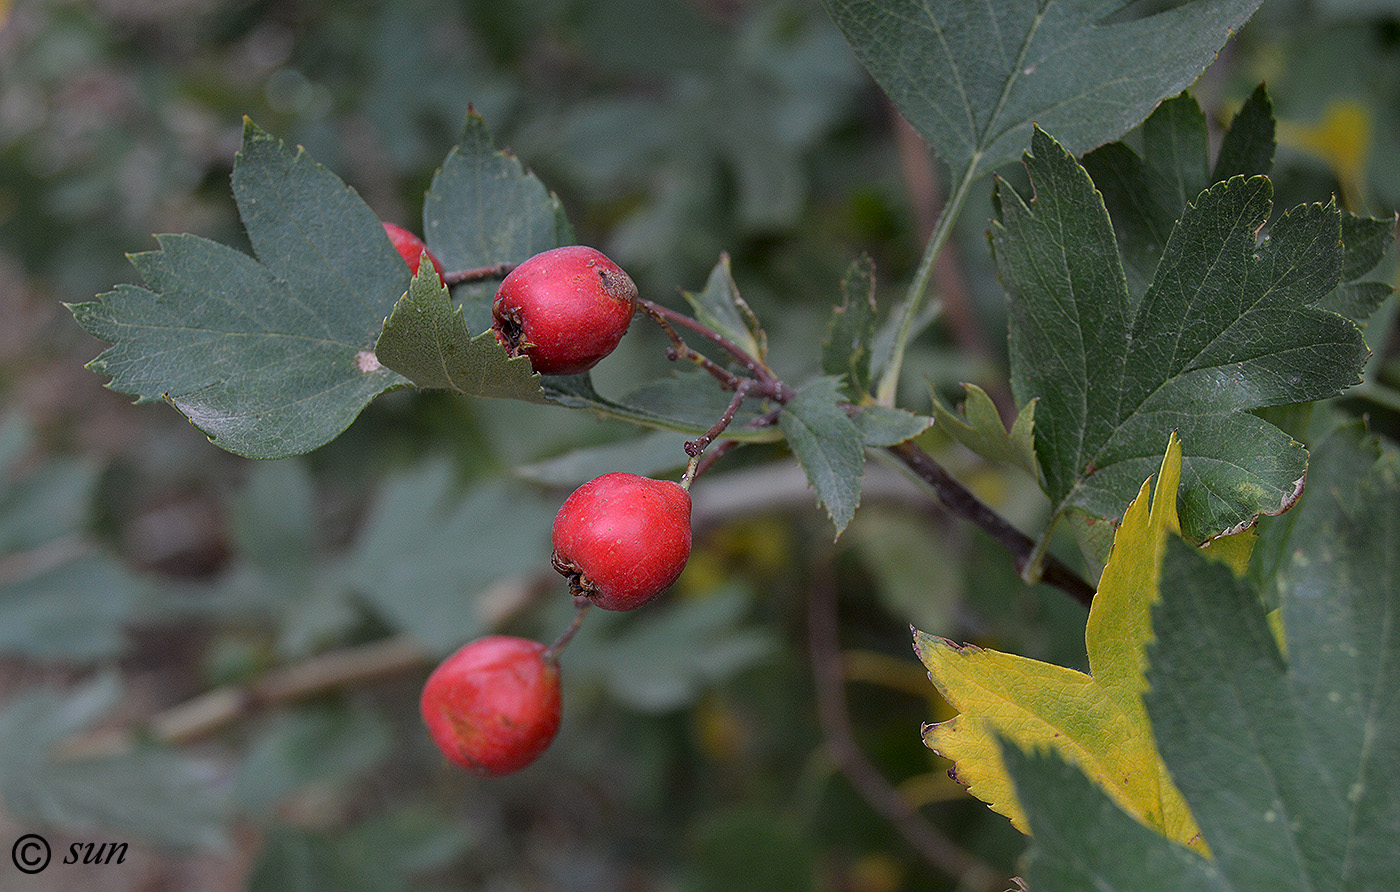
619,539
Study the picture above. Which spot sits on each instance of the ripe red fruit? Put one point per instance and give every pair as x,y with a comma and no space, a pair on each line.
410,247
493,706
566,309
622,539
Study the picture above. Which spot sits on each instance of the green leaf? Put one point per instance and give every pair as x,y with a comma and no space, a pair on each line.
149,793
1239,749
912,564
272,520
980,429
828,446
1229,324
1314,796
1365,240
267,357
66,604
1082,840
1247,148
850,335
1146,195
882,426
426,340
720,308
973,78
649,455
483,208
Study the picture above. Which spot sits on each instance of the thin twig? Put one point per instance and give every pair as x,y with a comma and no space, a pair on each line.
953,494
679,349
767,419
964,504
769,384
873,787
551,653
693,448
696,448
477,274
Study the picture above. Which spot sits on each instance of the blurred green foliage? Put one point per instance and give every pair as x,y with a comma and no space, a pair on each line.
141,568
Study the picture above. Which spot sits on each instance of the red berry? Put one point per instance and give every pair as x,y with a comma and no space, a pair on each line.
565,309
493,706
410,247
622,539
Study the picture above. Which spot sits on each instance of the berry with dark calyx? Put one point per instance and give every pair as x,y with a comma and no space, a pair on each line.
494,706
621,539
565,308
410,248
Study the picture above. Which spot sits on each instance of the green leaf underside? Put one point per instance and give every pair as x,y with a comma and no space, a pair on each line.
1289,765
850,335
828,446
720,308
972,78
1229,324
426,340
261,355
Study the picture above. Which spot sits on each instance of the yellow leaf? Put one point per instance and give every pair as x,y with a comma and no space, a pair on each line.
1341,140
1034,704
1096,720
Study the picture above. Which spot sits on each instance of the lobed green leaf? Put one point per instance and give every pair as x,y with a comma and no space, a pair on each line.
828,445
1230,323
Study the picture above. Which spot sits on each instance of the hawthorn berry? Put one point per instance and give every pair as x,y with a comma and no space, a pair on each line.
622,539
493,706
410,248
565,308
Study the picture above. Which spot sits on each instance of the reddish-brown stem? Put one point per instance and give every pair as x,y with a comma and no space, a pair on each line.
967,506
551,653
697,446
827,675
478,274
679,349
768,383
953,494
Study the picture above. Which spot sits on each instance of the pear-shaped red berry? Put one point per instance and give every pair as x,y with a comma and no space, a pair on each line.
493,706
565,308
410,248
622,539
